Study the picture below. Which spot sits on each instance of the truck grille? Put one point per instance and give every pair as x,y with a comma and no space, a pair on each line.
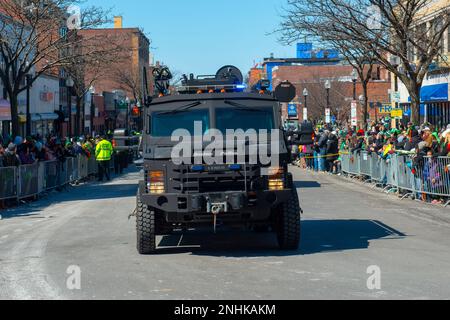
186,181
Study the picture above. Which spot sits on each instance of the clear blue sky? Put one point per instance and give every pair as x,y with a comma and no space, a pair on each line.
200,36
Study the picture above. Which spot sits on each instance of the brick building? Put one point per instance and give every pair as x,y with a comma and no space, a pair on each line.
128,68
98,124
124,76
313,78
310,69
255,74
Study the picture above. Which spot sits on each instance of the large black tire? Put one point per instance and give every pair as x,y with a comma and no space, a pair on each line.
145,228
289,224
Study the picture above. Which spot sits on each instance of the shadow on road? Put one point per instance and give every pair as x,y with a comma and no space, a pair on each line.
318,236
307,184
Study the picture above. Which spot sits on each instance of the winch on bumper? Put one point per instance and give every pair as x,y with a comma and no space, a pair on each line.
258,204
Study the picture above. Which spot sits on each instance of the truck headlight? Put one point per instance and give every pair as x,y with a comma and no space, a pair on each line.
276,179
156,182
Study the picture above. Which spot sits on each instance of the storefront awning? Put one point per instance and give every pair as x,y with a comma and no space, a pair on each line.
436,92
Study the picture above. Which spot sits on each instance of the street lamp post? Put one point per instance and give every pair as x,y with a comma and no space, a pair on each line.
92,110
305,94
354,79
28,79
127,101
328,87
361,103
395,61
116,98
69,85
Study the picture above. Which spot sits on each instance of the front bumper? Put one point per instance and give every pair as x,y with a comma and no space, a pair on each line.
238,201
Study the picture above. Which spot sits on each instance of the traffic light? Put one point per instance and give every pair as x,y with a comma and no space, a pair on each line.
135,111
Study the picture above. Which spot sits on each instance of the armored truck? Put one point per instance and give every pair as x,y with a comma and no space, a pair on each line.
204,166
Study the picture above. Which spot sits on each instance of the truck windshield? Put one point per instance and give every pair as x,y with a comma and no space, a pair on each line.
245,119
164,124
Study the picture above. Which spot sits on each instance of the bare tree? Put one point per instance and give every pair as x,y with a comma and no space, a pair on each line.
382,28
177,77
83,81
363,62
299,23
130,81
317,100
38,37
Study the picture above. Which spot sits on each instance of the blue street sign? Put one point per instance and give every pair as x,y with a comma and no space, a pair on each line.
292,110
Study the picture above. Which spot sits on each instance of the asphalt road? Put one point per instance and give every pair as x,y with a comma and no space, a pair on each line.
346,229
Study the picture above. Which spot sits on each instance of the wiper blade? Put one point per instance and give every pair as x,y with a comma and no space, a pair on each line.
183,108
244,107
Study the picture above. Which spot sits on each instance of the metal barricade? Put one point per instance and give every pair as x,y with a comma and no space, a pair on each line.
354,164
365,164
345,163
41,177
82,167
383,171
8,183
76,172
432,177
52,175
405,177
391,173
69,170
62,171
375,168
28,184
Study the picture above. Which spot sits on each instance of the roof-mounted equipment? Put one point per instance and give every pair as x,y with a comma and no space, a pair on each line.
227,79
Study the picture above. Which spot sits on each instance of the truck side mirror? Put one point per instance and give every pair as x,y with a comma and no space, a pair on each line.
306,133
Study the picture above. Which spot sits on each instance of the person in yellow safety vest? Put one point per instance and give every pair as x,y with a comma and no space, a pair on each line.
103,154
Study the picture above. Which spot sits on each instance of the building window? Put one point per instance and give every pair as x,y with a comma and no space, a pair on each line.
437,25
63,32
421,39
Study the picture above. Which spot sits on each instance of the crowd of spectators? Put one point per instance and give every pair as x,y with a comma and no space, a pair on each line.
418,142
29,150
332,141
19,151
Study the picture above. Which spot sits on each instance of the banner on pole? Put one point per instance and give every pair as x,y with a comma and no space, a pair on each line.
327,115
354,113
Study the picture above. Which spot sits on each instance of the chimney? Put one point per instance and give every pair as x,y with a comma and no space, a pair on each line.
118,22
